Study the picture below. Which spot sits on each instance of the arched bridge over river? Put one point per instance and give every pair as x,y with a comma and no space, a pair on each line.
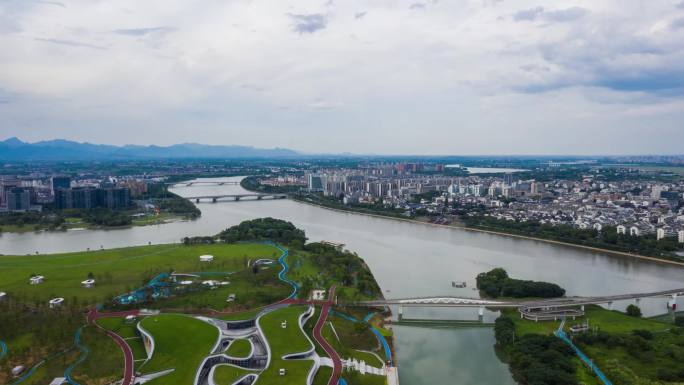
546,309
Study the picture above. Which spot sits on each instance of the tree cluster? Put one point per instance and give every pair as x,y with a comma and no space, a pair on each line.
343,267
496,283
535,359
263,229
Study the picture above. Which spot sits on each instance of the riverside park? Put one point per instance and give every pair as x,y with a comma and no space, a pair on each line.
256,304
251,305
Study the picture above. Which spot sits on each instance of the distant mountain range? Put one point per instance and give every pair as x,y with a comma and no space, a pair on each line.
14,149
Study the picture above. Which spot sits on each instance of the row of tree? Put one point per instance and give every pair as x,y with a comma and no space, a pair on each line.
608,238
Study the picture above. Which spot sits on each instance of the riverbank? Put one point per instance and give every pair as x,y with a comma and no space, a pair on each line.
550,241
151,220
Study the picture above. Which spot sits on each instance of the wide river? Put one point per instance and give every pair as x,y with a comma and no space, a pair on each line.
407,259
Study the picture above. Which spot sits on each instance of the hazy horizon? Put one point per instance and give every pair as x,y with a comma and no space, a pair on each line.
388,77
352,154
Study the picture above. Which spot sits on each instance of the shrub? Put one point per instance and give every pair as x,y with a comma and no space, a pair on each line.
633,311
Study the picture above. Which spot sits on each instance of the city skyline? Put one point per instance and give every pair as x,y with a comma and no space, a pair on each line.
399,77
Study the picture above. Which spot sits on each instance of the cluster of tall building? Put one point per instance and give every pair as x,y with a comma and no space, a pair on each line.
90,198
14,196
20,195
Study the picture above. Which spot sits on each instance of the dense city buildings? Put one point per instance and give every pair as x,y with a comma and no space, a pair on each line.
90,198
635,207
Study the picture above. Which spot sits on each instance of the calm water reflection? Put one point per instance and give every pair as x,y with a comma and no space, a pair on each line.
407,260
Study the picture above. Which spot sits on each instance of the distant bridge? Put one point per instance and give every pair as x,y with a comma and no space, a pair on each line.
554,308
202,183
235,197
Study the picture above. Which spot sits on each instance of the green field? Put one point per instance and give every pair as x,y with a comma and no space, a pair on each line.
239,348
626,358
104,363
607,320
240,315
117,271
322,376
119,326
153,219
228,374
283,342
181,343
128,332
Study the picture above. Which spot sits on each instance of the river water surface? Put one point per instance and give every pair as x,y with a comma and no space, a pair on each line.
407,259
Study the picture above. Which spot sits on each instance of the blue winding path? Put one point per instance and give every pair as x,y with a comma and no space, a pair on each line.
561,334
3,349
35,367
84,354
380,337
286,268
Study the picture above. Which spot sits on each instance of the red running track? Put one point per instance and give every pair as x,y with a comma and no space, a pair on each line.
337,362
93,315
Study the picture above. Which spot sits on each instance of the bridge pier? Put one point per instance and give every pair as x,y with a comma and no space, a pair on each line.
237,198
480,314
197,200
610,305
400,315
213,200
637,300
259,197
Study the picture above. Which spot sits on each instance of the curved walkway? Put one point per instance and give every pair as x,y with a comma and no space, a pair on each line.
337,362
84,354
36,366
378,335
93,315
595,369
3,349
286,268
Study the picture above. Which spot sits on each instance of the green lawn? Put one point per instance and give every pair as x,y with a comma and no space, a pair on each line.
240,315
118,270
239,348
152,219
607,320
322,376
622,365
181,343
228,374
296,372
51,369
288,340
251,290
352,340
643,362
283,342
105,361
119,326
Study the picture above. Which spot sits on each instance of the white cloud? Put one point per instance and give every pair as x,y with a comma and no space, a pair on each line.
316,76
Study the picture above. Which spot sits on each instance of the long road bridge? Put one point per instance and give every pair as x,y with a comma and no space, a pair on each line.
203,183
235,197
554,308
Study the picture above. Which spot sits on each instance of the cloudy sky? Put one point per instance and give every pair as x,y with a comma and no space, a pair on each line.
361,76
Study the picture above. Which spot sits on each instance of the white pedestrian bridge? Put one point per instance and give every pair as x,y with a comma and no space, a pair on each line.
544,309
